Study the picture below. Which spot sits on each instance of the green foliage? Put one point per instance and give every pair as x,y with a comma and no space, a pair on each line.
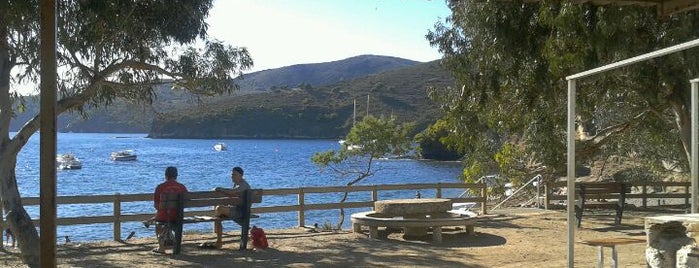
409,102
431,145
106,51
510,60
370,138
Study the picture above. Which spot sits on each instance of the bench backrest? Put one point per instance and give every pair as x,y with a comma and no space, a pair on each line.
602,189
209,199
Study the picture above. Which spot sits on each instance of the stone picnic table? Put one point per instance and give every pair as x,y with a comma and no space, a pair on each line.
671,239
415,216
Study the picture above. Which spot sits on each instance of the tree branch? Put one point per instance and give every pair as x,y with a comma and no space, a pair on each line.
587,147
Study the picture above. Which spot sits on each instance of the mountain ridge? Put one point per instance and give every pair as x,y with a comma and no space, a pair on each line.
313,82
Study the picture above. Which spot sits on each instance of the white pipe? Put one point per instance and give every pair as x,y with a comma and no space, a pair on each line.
694,166
629,61
517,191
571,174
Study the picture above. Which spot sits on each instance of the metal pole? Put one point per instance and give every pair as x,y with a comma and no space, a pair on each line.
570,203
694,166
47,150
538,191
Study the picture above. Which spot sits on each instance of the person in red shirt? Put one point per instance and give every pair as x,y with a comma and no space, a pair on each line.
166,215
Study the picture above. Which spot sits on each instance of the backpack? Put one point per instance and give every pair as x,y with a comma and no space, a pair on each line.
258,237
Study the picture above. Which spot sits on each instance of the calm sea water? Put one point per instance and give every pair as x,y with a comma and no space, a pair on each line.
267,164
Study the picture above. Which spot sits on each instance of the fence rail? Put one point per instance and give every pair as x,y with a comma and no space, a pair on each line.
117,200
644,194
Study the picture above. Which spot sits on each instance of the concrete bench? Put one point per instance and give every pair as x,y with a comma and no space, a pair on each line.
374,220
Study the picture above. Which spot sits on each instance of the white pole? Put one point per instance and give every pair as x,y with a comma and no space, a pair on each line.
571,174
694,166
367,104
354,111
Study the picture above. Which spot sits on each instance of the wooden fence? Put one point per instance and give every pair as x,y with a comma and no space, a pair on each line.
301,207
660,190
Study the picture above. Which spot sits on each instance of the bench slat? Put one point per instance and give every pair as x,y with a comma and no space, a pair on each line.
606,190
193,203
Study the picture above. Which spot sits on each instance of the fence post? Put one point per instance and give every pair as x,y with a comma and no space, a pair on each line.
439,190
117,217
644,201
484,200
374,196
302,214
686,199
2,228
547,196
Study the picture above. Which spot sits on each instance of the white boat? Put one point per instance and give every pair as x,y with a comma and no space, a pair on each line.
68,161
125,155
350,147
220,147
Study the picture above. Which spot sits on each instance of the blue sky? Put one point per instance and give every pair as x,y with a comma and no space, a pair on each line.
280,33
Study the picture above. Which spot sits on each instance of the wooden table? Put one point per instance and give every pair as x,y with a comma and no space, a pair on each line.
611,242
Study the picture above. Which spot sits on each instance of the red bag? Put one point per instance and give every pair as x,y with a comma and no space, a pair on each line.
258,237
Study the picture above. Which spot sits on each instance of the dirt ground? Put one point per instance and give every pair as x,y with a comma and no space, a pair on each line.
504,238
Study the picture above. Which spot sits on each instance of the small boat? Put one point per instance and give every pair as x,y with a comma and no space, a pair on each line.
68,161
125,155
350,147
220,146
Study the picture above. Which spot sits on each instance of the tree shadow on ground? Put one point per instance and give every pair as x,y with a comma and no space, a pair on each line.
342,249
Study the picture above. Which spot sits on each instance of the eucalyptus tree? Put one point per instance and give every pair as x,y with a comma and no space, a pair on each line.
367,141
106,50
511,60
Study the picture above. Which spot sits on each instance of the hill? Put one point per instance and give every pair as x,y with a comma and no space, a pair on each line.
323,90
319,74
309,111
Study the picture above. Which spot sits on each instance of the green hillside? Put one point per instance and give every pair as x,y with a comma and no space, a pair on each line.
299,101
311,112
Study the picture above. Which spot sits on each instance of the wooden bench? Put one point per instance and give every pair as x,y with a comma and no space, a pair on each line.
591,195
179,201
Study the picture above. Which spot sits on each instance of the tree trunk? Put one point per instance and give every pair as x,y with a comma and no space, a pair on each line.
17,218
19,221
684,126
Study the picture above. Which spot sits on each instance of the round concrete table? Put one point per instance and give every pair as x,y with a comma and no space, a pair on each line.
416,208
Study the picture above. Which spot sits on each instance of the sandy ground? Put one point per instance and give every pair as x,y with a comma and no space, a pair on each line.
505,238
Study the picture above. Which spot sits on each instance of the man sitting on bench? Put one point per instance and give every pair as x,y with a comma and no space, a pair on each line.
239,185
166,215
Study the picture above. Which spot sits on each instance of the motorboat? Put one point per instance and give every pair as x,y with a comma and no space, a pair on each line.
125,155
220,146
68,161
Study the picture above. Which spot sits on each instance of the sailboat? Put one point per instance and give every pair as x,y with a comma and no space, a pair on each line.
354,121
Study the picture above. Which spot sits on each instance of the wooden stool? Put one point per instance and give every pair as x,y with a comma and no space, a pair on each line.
611,242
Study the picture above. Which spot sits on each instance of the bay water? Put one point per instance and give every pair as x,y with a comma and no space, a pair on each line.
268,164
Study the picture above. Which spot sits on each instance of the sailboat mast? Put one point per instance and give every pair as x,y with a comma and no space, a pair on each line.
367,104
354,116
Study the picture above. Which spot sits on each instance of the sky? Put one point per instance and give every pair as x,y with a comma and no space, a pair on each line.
280,33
